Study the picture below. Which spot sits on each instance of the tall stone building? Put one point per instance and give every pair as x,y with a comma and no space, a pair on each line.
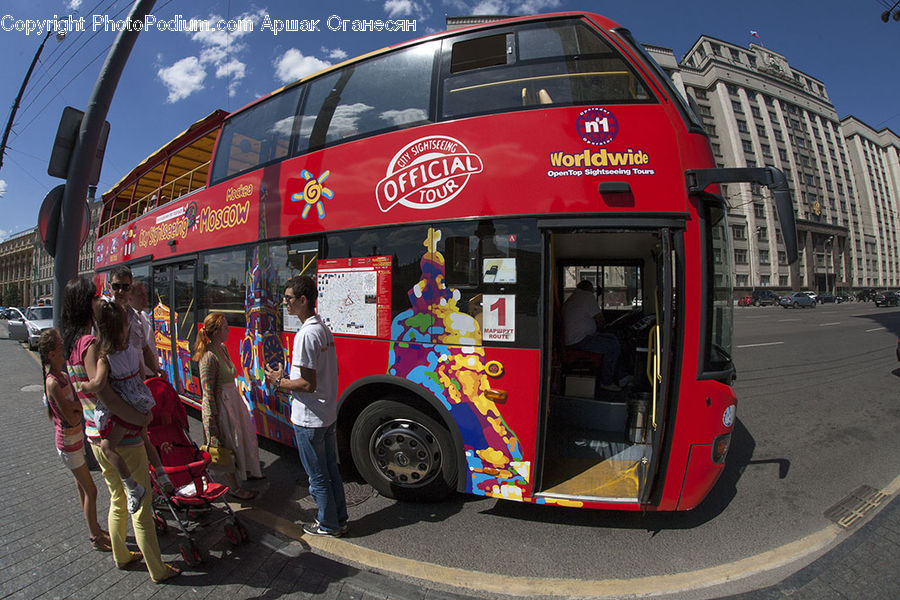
16,264
875,162
760,111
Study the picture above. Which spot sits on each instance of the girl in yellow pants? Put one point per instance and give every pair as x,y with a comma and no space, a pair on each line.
142,520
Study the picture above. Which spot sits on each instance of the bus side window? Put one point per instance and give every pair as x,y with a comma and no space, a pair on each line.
559,63
258,136
388,92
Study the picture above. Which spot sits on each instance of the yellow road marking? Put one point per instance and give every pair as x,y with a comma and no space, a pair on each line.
451,577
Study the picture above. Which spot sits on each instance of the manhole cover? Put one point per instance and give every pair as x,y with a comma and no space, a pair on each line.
849,511
356,494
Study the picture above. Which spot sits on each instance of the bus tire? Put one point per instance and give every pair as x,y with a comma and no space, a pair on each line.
403,453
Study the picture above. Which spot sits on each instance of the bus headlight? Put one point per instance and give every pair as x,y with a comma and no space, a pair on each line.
720,448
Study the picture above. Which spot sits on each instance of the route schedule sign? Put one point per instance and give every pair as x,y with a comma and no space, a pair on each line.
355,295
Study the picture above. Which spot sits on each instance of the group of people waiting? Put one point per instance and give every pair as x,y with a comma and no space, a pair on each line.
94,372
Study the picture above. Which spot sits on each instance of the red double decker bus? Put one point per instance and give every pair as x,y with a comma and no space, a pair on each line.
448,193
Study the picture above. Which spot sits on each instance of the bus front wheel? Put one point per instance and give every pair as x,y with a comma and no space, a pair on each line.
403,453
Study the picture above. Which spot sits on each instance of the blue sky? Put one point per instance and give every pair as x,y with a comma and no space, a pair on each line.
174,78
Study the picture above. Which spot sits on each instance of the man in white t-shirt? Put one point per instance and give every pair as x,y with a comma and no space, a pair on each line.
121,284
313,385
583,320
139,302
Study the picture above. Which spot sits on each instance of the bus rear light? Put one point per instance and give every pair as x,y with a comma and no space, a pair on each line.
720,448
498,396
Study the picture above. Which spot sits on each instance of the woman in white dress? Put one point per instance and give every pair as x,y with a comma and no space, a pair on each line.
226,421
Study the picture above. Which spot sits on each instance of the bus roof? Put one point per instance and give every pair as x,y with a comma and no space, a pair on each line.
186,152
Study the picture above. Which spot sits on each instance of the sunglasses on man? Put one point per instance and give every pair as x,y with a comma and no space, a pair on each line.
120,286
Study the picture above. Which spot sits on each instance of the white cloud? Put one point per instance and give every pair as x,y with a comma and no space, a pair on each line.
2,187
292,65
335,54
234,70
219,50
183,78
404,9
404,116
398,8
346,116
74,4
514,7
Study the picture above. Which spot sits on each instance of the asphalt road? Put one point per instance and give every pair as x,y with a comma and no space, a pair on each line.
817,418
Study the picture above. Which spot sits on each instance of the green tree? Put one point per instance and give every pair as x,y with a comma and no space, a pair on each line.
13,296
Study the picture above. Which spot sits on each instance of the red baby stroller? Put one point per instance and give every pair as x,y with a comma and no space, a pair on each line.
186,465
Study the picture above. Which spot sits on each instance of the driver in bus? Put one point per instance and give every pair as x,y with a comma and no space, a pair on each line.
583,323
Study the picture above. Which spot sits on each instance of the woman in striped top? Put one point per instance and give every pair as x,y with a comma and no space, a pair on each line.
65,411
83,353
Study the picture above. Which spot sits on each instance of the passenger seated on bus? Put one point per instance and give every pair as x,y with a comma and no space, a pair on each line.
583,321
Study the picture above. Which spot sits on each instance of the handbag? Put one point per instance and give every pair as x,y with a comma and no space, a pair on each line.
220,455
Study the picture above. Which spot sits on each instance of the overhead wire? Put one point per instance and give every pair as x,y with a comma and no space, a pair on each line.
75,53
88,64
48,64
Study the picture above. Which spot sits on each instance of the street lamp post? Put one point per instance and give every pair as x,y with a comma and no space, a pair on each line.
828,241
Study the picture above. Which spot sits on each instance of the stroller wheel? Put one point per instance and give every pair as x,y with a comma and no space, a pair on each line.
232,534
191,554
161,526
241,530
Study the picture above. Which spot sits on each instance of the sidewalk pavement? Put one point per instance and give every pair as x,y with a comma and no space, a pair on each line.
45,552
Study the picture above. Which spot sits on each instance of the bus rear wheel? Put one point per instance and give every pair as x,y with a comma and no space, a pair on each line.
403,453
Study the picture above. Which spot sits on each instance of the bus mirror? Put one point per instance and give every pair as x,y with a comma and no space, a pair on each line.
785,208
699,179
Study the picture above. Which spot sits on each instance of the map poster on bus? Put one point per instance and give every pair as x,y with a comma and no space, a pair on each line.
355,295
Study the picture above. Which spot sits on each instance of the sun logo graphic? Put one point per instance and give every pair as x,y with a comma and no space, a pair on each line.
313,192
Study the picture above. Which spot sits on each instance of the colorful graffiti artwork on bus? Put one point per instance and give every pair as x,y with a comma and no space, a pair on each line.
436,347
178,368
261,345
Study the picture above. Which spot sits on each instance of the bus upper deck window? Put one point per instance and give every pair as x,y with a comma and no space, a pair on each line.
482,52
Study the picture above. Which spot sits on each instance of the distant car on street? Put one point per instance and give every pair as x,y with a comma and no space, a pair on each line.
844,297
866,295
811,294
827,298
28,327
764,298
797,300
14,313
887,299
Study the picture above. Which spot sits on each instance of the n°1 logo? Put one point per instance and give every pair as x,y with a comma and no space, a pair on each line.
597,126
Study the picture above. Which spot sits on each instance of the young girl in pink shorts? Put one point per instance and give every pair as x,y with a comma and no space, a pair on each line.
120,365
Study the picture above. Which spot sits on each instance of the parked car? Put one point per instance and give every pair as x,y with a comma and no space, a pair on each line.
827,298
745,301
887,299
866,295
14,313
764,298
811,294
28,327
844,297
797,300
